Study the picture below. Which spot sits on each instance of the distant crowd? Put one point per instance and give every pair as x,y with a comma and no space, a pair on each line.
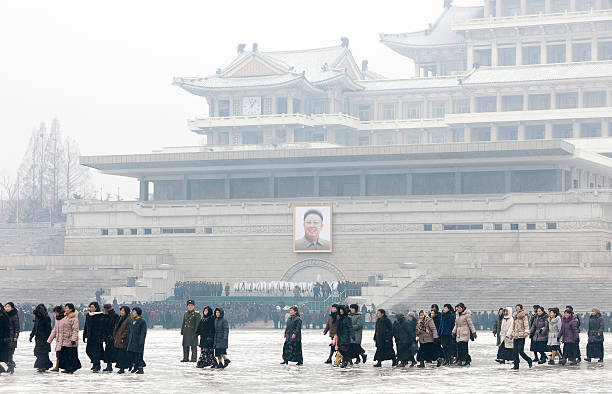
299,289
184,290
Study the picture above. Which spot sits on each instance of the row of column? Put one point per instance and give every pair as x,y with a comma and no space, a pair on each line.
497,11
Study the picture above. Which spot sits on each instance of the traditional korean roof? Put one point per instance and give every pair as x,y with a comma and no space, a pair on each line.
410,83
440,34
203,85
542,72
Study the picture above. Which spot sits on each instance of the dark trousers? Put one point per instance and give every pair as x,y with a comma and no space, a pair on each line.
194,353
519,349
11,352
463,352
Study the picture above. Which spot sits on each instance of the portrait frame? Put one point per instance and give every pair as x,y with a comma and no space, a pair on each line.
326,234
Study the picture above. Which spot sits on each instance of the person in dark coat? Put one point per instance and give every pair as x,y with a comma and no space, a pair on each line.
330,329
447,323
94,334
120,340
41,331
539,335
344,336
110,321
206,331
136,341
405,340
221,338
4,338
383,337
292,349
595,347
569,335
14,330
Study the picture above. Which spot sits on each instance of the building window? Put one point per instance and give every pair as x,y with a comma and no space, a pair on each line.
608,245
388,111
119,231
507,133
318,137
364,113
281,105
590,130
486,104
535,7
252,138
551,226
237,110
437,137
223,138
535,132
531,55
438,109
531,226
506,56
427,227
364,140
567,100
538,102
297,106
585,5
281,136
454,227
482,57
481,134
208,230
178,230
147,231
512,103
104,231
555,53
267,105
514,226
387,140
133,231
594,99
412,110
224,108
581,52
558,6
563,131
458,135
498,226
412,137
511,7
462,106
604,51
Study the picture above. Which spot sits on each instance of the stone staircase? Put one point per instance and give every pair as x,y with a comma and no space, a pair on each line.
32,239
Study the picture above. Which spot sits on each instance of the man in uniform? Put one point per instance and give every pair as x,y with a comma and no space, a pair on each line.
188,331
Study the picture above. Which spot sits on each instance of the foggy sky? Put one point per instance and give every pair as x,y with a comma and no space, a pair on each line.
105,68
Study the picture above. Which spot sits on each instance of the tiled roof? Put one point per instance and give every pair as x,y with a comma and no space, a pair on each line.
412,83
440,34
218,82
544,72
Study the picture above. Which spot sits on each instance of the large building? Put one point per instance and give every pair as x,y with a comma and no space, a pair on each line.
492,160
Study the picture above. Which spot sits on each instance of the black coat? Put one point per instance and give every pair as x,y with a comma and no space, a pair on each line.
13,319
403,331
344,330
596,328
110,322
41,332
293,327
4,337
137,335
383,333
95,328
206,331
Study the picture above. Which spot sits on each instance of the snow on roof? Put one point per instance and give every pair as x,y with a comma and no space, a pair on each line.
218,82
440,34
411,83
543,72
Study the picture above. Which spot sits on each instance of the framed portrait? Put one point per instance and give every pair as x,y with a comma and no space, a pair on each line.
312,228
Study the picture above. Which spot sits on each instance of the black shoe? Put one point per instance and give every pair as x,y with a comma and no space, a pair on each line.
121,370
328,361
343,364
11,369
467,363
515,367
134,370
421,364
140,371
439,363
226,363
358,360
109,368
378,365
2,370
588,359
184,361
96,369
542,361
530,363
394,362
499,360
285,362
299,363
364,357
68,372
551,362
562,361
574,362
600,360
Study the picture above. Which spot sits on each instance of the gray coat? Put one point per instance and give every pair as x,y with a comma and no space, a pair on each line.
554,328
539,329
596,327
221,331
464,326
357,322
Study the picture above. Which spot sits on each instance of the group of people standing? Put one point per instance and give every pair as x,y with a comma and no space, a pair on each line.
114,339
547,329
213,330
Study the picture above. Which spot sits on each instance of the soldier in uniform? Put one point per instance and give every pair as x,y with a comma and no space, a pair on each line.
188,331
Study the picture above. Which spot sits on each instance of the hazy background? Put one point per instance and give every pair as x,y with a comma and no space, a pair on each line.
105,68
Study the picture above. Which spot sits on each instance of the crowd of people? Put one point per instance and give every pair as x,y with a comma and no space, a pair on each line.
299,289
184,290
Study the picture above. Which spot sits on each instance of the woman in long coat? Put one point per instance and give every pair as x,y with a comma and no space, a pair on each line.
447,323
405,340
136,341
292,349
4,338
554,328
570,337
427,332
383,337
206,331
93,335
595,347
539,334
41,331
221,338
464,331
505,350
344,336
66,335
330,329
120,340
357,324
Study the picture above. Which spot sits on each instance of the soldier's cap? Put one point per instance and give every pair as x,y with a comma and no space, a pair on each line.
192,302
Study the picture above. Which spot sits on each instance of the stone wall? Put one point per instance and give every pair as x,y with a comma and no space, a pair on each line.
32,238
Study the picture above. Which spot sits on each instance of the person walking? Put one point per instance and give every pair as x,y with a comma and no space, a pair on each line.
41,332
554,328
357,325
595,347
344,336
221,338
426,332
120,340
206,331
464,331
447,323
137,335
292,348
569,335
405,341
5,337
497,326
191,319
505,350
383,337
532,345
93,335
330,329
520,331
539,335
110,322
14,329
66,335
